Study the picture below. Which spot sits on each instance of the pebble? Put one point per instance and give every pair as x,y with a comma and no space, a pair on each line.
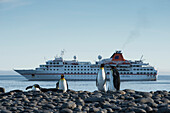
66,110
129,101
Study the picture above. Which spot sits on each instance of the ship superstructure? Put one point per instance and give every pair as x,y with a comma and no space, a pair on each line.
75,70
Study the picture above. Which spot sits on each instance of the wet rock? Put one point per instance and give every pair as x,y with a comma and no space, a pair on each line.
94,110
51,106
66,110
70,105
138,110
109,110
2,90
93,99
145,94
115,108
80,101
129,91
165,100
164,110
136,96
148,109
121,92
145,100
129,98
5,111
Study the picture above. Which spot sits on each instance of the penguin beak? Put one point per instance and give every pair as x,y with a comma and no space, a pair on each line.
29,87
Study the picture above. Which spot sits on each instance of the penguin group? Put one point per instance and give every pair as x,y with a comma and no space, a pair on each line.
61,85
114,83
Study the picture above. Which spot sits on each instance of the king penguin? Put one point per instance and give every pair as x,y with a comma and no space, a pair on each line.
101,79
62,84
35,87
114,83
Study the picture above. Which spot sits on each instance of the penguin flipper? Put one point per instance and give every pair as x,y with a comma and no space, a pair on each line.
96,82
104,82
67,84
57,85
29,87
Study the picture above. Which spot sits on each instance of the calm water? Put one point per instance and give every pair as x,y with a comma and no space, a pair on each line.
11,82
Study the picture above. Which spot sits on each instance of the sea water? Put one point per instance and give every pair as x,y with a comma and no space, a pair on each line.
13,82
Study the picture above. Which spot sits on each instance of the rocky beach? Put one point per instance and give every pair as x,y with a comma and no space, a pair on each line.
124,101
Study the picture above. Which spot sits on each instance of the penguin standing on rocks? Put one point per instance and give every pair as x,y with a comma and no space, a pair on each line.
101,79
62,84
114,83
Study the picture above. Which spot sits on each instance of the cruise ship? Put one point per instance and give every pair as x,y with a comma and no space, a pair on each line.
86,71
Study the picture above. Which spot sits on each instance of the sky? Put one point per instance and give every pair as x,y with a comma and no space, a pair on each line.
34,31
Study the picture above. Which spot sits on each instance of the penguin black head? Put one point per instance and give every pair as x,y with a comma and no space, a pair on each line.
102,65
36,86
62,76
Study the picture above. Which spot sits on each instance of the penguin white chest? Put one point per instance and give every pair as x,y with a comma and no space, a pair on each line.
35,89
101,80
63,85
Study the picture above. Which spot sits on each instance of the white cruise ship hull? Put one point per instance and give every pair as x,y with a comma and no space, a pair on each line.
33,75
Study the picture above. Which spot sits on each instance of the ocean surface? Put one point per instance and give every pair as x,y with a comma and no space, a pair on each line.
13,82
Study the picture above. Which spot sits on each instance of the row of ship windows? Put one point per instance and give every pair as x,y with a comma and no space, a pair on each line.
76,66
143,69
74,69
53,63
82,69
136,73
80,73
106,73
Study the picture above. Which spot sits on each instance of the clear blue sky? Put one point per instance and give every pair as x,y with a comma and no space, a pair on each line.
33,29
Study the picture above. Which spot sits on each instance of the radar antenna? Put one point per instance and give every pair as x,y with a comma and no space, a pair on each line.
141,58
99,57
62,52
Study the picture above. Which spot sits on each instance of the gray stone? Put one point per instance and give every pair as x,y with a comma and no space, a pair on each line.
164,100
136,96
109,110
145,94
86,108
129,98
152,104
94,110
129,91
164,110
115,108
49,106
93,99
103,111
80,101
121,92
144,100
5,111
70,105
66,110
148,109
2,90
139,110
